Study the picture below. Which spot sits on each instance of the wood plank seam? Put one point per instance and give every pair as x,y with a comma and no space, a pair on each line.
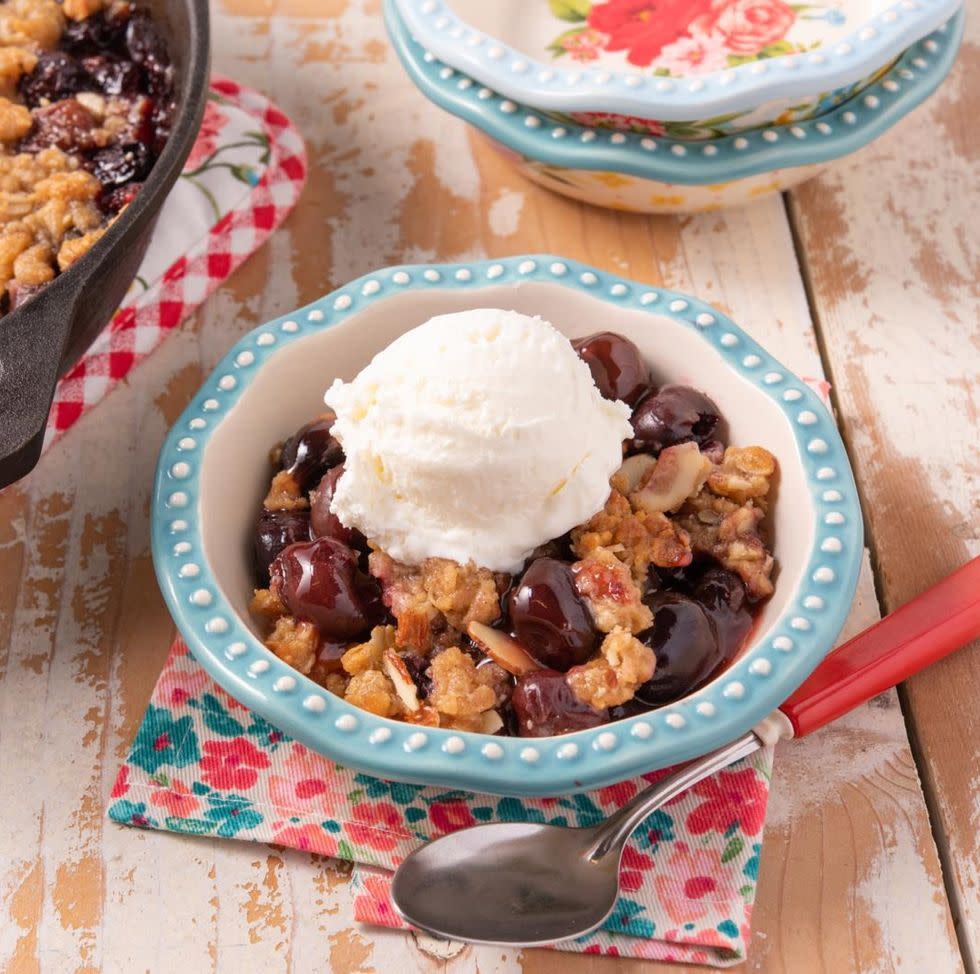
926,780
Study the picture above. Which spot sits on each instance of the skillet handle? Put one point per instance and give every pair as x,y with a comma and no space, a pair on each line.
33,340
934,624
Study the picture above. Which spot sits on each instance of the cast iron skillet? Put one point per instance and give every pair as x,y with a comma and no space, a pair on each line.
40,341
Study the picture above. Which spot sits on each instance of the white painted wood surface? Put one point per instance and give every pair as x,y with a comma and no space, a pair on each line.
850,879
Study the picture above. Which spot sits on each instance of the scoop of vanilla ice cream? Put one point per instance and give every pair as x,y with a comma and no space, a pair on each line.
477,435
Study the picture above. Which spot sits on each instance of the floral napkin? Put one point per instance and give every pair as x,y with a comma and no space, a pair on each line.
204,764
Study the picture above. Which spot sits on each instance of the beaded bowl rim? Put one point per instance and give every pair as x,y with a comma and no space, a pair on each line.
548,87
843,130
767,672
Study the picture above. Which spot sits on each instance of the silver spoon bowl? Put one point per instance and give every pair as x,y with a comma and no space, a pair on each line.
529,884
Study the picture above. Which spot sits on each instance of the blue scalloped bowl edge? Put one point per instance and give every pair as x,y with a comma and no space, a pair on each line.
744,89
747,692
847,128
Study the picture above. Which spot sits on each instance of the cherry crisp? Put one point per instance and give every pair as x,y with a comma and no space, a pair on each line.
639,606
86,106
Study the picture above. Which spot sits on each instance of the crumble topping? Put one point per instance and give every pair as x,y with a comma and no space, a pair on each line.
637,538
744,474
435,601
612,677
294,642
373,691
723,519
612,596
285,494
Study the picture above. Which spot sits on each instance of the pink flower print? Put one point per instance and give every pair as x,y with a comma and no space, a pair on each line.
308,838
378,825
176,686
306,796
177,799
621,123
643,28
613,796
632,868
302,762
731,797
451,815
695,53
309,784
207,137
373,905
584,45
686,881
748,26
122,782
233,765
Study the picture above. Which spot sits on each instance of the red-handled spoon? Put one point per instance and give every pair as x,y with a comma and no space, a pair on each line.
524,883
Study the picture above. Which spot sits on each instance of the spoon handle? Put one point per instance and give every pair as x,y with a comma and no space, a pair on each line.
933,624
612,833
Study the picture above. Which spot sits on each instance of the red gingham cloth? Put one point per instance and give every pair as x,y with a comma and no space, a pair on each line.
140,325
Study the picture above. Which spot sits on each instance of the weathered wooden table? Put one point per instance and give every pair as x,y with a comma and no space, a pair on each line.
867,275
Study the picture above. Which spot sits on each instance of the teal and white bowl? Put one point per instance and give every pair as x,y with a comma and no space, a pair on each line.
213,471
696,69
647,174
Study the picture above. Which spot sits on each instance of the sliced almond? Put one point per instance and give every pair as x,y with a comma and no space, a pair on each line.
425,716
396,671
679,473
633,473
502,649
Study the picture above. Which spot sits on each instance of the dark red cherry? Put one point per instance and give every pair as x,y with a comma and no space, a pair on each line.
117,165
673,414
94,35
321,581
544,705
326,524
275,530
548,616
311,451
56,75
722,595
617,367
145,43
119,197
112,76
683,639
67,124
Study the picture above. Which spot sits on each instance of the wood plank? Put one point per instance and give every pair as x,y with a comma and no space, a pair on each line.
392,179
893,259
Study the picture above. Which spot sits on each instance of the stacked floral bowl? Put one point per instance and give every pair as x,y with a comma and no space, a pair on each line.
676,105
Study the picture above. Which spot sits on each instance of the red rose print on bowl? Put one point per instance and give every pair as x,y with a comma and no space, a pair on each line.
749,25
643,28
232,765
